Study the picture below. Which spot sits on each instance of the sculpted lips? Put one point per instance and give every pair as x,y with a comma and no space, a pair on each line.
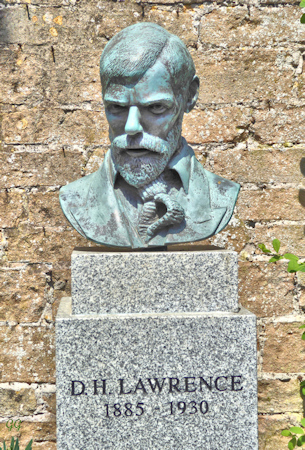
136,152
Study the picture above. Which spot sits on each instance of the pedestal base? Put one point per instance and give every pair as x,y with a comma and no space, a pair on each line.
156,381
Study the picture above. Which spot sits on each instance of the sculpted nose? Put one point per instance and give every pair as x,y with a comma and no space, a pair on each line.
133,125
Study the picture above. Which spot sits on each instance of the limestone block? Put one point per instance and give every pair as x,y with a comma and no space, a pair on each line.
270,204
11,208
55,125
43,168
22,297
263,165
244,74
238,26
279,124
270,428
37,244
277,396
20,402
283,348
27,354
266,289
223,124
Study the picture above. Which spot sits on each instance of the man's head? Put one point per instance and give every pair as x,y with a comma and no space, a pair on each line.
148,81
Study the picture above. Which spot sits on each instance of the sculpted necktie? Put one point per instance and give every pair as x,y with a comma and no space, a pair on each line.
158,191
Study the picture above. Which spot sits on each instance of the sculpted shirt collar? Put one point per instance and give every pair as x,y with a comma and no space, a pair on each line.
180,162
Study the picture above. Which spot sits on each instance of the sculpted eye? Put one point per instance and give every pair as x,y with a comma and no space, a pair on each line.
157,108
114,108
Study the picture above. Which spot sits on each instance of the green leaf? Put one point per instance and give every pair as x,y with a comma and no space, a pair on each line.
303,420
291,256
302,326
29,446
275,258
263,248
276,245
303,336
292,443
285,433
301,267
293,266
302,4
302,20
296,430
301,440
17,445
12,443
303,392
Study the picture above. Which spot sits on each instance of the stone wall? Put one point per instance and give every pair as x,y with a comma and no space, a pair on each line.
248,126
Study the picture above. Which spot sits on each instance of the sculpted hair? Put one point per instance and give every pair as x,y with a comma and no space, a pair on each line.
131,52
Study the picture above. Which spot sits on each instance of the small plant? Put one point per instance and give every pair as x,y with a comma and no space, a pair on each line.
298,436
302,5
15,445
293,265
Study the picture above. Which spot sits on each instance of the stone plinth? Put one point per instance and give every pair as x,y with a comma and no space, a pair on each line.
156,381
146,282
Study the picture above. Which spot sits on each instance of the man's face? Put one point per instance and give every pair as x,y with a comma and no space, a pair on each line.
144,125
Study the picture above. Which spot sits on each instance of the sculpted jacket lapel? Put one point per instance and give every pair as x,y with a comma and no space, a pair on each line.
101,218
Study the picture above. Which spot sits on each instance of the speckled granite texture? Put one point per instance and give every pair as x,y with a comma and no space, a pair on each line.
145,282
205,396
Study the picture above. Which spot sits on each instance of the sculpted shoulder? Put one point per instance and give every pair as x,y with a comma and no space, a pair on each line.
74,195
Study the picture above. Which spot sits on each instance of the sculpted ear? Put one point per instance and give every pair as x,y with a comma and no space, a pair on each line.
192,94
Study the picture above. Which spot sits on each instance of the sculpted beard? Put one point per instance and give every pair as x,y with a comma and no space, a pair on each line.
141,170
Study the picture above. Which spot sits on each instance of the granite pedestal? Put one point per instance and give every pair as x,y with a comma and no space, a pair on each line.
159,374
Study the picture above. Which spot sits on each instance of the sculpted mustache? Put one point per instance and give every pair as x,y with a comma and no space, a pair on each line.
147,142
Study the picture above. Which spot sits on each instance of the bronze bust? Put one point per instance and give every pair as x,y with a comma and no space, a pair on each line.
150,190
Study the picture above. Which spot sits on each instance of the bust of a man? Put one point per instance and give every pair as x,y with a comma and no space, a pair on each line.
150,190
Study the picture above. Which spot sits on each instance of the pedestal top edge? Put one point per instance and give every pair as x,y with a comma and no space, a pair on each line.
96,251
65,312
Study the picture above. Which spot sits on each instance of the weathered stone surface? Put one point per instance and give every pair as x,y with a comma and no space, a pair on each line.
52,124
98,22
39,244
239,26
17,403
44,208
22,297
266,165
291,237
11,208
95,160
27,354
50,401
266,289
43,433
220,125
283,349
270,204
276,396
270,428
47,168
176,20
243,75
279,124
